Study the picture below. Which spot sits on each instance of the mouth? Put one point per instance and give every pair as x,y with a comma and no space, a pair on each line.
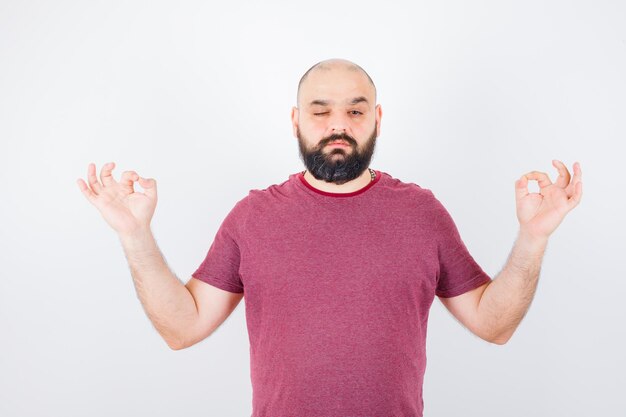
338,143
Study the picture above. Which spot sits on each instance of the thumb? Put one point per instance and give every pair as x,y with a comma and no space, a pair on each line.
149,185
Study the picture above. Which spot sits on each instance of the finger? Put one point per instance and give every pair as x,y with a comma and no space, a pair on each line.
578,173
149,186
521,188
571,187
578,195
128,178
105,174
541,177
93,180
564,176
86,191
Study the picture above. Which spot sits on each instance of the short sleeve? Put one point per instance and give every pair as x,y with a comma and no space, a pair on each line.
220,267
458,271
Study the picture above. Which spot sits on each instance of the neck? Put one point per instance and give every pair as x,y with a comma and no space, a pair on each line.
348,187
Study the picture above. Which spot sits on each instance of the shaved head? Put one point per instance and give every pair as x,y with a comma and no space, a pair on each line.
333,64
338,104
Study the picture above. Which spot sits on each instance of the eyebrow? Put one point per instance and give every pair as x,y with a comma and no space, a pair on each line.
355,100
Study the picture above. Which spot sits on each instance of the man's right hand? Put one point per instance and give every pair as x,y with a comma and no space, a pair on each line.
127,211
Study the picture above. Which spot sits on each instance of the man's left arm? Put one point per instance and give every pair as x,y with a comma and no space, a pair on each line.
494,311
506,299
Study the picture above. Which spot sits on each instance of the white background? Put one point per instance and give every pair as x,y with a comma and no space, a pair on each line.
198,96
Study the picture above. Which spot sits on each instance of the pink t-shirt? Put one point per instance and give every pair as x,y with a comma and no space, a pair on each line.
337,291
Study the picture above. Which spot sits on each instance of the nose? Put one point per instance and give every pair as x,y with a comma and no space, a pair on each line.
338,125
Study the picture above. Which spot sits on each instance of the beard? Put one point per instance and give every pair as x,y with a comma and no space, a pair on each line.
339,165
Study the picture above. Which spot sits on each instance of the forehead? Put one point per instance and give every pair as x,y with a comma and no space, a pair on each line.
336,86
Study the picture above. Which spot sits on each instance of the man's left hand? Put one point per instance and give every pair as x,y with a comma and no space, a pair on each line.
540,213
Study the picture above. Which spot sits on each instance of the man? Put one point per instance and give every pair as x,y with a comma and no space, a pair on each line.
339,264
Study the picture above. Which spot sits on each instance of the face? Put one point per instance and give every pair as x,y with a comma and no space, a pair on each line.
336,104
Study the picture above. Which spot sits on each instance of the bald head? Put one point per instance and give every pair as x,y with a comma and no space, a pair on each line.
329,65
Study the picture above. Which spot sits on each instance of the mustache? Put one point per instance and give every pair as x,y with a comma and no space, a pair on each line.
334,137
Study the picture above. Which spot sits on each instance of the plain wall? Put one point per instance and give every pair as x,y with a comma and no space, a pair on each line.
198,95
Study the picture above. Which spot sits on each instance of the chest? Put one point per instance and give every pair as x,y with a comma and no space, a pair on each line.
355,254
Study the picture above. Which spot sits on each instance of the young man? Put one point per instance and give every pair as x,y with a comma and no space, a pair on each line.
339,264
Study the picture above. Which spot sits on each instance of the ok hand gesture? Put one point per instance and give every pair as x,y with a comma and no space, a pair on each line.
127,211
540,213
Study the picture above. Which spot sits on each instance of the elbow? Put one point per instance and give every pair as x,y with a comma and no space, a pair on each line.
176,347
184,342
498,341
501,339
181,344
176,344
490,336
493,337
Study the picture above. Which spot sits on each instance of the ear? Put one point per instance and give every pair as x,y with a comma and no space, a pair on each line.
295,114
379,116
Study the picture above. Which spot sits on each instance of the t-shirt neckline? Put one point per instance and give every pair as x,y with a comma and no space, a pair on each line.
330,194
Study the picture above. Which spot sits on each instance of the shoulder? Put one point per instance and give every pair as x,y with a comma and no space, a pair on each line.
418,200
273,197
394,187
253,204
271,190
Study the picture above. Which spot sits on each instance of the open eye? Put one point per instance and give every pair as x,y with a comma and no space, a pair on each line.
355,111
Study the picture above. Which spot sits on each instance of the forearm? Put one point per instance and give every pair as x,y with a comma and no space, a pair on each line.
165,299
506,299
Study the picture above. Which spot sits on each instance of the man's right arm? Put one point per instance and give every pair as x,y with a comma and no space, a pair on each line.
182,314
